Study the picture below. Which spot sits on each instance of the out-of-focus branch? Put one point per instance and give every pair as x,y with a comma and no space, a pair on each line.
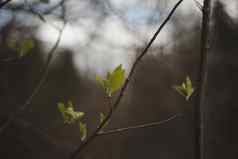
49,10
2,4
45,71
42,18
202,79
199,5
149,125
123,89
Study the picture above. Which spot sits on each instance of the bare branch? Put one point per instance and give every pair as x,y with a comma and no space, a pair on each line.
199,5
202,78
36,90
2,4
149,125
122,91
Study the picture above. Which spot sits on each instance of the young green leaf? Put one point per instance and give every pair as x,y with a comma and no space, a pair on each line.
189,88
82,131
180,90
100,81
185,89
69,115
61,107
114,80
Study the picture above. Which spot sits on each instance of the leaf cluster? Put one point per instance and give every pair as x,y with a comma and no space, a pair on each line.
71,116
186,89
113,81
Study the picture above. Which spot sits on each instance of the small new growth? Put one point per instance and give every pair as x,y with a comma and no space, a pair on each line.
186,89
113,81
71,116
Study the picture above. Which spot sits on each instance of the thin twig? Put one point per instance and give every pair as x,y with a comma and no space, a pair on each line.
149,125
122,91
199,5
45,71
4,3
43,19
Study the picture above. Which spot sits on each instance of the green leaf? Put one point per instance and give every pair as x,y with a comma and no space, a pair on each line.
69,115
185,89
114,80
83,131
70,104
189,88
180,90
61,107
100,81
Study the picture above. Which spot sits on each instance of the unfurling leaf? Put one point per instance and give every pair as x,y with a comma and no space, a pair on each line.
116,78
100,80
82,131
69,115
113,81
61,107
185,89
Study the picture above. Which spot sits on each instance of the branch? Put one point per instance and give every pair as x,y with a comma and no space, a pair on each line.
45,71
202,78
149,125
43,19
199,5
2,4
121,94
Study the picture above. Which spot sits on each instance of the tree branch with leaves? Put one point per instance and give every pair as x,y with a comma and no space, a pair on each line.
114,81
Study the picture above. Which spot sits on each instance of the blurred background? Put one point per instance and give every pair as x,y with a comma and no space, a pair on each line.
98,36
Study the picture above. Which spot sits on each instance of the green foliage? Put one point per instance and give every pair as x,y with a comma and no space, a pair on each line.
83,131
113,81
185,89
69,115
23,47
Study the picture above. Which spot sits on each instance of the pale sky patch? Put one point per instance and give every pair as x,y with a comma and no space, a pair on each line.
114,38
